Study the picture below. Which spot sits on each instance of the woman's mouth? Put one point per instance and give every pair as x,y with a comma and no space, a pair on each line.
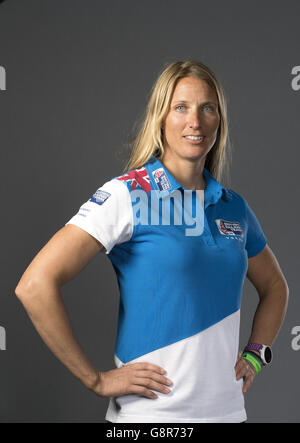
194,140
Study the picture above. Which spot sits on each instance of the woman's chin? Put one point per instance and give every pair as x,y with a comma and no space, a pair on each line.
194,154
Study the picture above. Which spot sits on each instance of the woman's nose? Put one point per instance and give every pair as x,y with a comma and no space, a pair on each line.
194,119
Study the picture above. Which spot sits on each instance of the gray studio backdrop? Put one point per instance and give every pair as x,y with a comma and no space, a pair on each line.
75,76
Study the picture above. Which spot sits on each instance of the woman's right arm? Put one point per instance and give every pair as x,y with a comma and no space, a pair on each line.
65,255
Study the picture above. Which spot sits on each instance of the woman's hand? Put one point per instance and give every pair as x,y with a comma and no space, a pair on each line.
244,369
135,378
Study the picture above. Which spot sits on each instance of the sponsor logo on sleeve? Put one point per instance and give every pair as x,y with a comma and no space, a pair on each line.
100,197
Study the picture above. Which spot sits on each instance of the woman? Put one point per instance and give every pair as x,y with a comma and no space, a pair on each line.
181,244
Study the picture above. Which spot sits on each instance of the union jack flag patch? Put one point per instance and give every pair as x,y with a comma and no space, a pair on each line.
138,178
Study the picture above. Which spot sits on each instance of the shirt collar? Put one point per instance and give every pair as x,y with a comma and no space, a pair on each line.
165,183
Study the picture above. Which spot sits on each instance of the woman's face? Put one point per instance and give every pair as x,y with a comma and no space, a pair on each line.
193,111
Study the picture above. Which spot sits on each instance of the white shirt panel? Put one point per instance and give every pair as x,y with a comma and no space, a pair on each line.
204,390
110,221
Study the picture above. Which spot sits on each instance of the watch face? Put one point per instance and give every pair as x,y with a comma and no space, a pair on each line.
268,354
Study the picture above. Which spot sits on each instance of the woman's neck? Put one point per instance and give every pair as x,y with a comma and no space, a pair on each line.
188,173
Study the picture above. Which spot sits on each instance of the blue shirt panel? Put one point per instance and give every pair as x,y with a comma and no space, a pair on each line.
173,286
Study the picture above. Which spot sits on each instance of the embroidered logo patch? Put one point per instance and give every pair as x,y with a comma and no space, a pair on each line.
100,196
229,228
161,179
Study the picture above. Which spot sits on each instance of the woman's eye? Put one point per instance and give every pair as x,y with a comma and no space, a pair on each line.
209,108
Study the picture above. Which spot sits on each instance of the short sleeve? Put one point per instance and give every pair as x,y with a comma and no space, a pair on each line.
256,239
107,215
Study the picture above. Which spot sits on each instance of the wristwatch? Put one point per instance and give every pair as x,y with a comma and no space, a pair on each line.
265,352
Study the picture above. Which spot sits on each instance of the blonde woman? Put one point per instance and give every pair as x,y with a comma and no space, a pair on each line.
181,244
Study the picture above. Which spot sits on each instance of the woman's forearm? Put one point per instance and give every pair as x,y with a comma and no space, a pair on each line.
44,305
270,314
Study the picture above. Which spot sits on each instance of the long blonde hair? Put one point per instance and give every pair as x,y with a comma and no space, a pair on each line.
149,139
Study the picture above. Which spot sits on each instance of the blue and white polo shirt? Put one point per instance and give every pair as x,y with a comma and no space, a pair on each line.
180,257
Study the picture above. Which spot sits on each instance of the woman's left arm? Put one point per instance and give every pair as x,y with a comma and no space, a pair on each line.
266,276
